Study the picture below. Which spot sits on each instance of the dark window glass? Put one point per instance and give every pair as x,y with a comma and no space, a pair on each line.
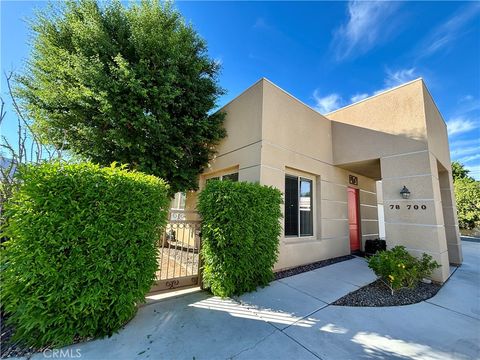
231,177
306,208
213,178
291,206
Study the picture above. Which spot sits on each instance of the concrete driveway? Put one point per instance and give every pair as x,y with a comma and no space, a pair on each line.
292,319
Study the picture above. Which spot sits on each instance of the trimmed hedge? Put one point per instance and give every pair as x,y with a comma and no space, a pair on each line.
240,231
82,250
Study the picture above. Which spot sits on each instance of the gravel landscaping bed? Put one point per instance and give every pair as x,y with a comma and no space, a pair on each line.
8,349
310,267
378,294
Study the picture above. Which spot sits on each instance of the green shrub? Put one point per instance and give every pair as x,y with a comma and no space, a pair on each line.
399,269
240,230
82,250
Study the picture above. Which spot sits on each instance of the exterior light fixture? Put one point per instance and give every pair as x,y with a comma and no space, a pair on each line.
405,192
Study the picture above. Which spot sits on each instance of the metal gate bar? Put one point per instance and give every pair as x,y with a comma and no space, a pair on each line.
177,265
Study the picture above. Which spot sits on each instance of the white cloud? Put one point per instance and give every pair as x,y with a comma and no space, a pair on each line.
460,125
466,98
468,159
369,23
464,143
261,23
327,103
467,104
467,148
358,97
474,171
395,78
442,36
392,79
457,151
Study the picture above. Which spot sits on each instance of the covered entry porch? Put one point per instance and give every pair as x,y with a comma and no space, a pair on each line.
423,219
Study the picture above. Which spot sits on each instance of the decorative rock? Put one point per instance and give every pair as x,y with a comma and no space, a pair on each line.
378,294
309,267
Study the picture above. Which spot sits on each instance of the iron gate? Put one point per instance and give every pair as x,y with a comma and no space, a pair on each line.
179,252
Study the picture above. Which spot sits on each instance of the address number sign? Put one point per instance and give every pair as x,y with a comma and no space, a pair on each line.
408,207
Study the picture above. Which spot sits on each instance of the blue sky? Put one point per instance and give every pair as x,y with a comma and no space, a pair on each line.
327,54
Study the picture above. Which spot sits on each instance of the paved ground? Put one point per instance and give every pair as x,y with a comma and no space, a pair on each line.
292,319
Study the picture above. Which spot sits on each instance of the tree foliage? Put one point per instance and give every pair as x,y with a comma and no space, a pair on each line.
129,84
467,197
459,171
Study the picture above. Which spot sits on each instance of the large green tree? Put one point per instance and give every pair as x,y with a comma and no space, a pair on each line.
128,84
467,196
459,171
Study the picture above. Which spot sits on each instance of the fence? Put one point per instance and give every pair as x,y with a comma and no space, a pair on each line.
179,247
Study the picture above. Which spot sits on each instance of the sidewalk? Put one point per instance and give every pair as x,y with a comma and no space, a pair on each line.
292,319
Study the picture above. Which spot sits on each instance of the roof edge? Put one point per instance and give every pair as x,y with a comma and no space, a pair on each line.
429,94
279,88
294,98
243,92
376,95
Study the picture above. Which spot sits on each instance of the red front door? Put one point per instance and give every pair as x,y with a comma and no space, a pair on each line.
353,219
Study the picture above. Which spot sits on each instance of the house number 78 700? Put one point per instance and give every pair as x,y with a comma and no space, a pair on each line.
409,207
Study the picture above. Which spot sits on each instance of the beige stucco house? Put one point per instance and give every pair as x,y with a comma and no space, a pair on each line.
329,168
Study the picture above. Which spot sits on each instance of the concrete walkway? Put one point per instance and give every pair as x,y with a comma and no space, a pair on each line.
292,319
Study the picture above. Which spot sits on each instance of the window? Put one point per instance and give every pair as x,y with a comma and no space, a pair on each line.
214,178
298,206
177,206
178,202
231,177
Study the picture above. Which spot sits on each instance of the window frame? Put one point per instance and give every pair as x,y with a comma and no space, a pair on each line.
178,201
221,177
228,176
299,177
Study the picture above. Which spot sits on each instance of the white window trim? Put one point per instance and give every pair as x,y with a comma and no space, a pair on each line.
176,206
220,174
220,177
312,178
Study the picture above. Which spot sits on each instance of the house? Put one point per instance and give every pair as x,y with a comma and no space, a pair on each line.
339,170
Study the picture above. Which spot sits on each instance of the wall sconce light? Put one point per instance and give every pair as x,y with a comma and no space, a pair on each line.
405,192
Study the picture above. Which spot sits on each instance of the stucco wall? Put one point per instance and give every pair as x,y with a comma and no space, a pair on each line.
395,136
436,130
294,126
240,150
298,141
417,222
404,130
241,147
399,111
354,143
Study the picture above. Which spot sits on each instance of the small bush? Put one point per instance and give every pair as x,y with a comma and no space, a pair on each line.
240,230
399,269
82,250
